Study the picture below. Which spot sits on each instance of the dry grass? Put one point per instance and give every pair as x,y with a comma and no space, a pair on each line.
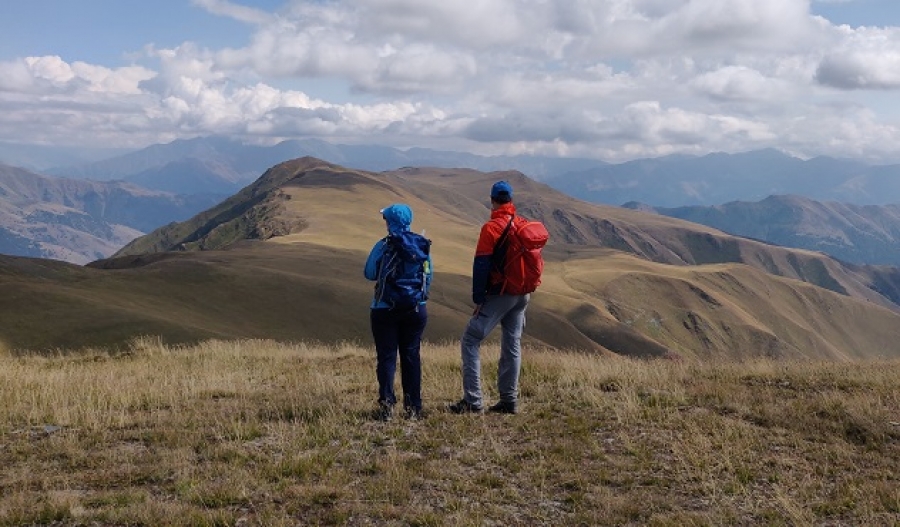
261,433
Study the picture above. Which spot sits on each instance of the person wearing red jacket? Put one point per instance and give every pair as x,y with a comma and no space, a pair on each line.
493,306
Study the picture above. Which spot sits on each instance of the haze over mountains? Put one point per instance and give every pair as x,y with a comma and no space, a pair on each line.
38,158
671,181
81,221
237,161
209,169
283,258
714,179
853,233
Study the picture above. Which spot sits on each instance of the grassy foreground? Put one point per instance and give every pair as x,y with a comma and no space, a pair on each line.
261,433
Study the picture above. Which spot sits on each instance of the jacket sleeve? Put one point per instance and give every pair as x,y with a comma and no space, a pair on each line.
481,270
481,266
374,259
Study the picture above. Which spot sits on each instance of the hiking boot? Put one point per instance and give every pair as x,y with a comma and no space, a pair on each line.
384,413
504,407
414,414
465,407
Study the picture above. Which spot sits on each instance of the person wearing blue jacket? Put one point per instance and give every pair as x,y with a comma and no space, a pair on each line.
397,330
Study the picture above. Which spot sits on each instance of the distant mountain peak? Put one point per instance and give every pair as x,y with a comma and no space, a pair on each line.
254,213
294,169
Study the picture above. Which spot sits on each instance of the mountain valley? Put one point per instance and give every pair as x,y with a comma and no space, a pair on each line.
81,221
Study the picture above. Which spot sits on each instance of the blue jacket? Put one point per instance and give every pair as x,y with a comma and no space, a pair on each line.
399,218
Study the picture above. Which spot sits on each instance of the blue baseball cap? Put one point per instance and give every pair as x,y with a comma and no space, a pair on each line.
501,192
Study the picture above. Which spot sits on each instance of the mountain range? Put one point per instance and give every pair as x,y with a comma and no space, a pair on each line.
713,179
38,158
163,166
853,233
283,257
204,171
670,181
80,221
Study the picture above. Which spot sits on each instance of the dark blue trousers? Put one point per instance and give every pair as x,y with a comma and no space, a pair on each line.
399,333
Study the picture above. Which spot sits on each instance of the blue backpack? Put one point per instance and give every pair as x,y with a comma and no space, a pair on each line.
402,282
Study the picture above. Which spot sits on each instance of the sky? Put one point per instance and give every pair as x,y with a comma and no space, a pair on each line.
607,79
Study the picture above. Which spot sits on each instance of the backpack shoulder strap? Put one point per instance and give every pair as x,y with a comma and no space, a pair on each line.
385,248
498,256
502,239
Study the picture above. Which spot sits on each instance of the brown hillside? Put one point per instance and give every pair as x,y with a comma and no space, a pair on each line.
661,239
617,281
851,233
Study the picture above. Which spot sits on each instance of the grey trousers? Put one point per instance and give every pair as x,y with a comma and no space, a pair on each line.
509,312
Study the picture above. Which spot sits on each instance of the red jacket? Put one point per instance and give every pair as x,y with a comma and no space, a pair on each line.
486,278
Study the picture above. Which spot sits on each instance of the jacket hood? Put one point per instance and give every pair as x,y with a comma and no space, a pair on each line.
399,217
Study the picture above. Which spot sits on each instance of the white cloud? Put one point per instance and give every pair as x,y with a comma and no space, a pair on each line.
235,11
478,24
124,80
614,78
866,58
16,76
51,74
52,69
717,25
282,52
740,83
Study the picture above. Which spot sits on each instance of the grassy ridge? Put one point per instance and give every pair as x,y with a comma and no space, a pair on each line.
616,281
594,299
260,433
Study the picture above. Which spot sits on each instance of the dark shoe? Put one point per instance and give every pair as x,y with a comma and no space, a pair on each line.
465,407
384,413
504,407
414,414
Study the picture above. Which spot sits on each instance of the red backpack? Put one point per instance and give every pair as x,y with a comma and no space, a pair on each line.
521,242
